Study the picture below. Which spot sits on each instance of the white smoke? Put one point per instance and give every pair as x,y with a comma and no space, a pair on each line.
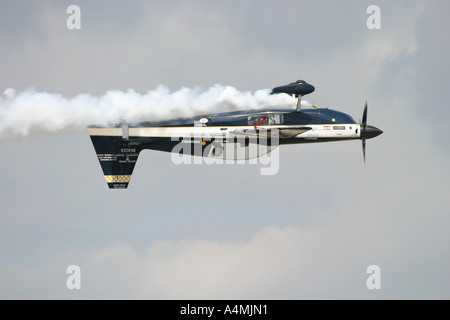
29,112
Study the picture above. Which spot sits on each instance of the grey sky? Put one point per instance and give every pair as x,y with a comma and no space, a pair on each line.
225,232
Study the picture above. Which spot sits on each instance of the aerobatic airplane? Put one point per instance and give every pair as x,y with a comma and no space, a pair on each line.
254,133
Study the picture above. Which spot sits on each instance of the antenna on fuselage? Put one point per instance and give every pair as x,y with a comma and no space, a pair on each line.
125,131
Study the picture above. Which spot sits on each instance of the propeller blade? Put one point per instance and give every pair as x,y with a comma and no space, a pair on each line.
364,149
364,118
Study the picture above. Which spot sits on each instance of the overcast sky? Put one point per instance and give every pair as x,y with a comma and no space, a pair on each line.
225,231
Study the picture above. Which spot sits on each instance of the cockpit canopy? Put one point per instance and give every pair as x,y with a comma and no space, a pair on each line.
264,120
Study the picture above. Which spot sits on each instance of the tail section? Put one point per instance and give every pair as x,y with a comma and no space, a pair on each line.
117,159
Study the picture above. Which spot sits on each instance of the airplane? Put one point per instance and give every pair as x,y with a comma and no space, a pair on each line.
118,145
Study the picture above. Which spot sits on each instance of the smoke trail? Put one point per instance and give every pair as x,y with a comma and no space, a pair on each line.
29,112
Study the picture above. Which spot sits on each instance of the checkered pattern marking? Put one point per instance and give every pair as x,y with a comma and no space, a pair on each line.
114,179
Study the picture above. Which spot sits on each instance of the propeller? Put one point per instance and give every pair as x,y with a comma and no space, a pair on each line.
363,129
364,117
367,132
364,149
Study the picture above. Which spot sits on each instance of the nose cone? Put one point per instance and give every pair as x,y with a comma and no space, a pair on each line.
370,132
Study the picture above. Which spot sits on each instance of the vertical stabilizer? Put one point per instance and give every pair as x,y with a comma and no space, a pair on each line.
117,159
